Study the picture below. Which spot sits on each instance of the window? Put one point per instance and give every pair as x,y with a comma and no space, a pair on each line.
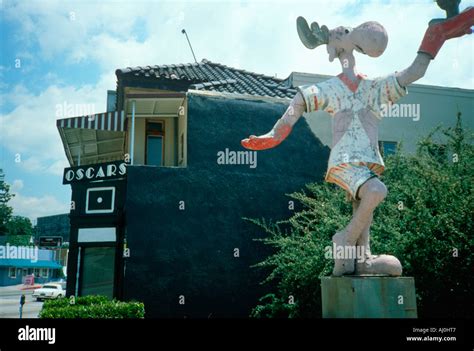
154,143
44,272
50,287
25,272
98,266
388,147
36,272
12,272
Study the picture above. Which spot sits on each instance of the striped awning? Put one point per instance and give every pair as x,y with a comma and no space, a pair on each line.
94,138
111,121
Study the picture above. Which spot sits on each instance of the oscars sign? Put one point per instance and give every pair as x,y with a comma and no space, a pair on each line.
89,173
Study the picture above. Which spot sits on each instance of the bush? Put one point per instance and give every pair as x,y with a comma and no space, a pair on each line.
426,221
92,307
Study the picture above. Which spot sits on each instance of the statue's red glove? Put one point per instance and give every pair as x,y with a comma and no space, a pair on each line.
454,27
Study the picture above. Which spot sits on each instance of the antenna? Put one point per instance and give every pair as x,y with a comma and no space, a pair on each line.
186,34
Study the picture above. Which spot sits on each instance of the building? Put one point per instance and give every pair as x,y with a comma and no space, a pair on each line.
175,211
14,271
161,187
56,226
52,232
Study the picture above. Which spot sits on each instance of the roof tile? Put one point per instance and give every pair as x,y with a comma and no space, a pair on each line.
207,75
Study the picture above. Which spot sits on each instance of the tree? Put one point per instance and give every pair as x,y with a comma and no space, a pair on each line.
426,221
19,230
19,225
5,210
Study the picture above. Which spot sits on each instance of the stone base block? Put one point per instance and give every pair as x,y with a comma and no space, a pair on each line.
368,297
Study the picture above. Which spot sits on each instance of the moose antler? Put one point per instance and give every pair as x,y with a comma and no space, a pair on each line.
314,36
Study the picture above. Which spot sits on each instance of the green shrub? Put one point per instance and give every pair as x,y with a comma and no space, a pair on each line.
81,301
55,303
92,307
426,221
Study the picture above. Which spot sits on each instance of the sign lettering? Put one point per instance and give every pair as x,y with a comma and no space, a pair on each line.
90,173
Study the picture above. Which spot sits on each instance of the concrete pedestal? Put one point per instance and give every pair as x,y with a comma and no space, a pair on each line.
368,297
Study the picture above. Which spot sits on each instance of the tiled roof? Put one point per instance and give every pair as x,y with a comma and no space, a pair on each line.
207,75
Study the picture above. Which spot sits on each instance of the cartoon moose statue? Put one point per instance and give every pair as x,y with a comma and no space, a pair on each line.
355,104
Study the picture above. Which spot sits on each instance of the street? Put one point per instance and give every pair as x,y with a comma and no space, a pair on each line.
10,302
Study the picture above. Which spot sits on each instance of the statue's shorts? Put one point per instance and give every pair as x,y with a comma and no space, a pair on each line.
351,176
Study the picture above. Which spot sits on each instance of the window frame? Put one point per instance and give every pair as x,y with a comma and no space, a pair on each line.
44,270
14,272
382,148
181,154
161,134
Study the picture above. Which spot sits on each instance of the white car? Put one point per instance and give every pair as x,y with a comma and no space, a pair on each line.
49,291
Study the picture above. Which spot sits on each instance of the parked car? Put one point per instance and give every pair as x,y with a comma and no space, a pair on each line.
49,291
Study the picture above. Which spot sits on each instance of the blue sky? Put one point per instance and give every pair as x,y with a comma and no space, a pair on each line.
69,51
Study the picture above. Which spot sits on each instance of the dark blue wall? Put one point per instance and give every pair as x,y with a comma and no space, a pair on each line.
191,252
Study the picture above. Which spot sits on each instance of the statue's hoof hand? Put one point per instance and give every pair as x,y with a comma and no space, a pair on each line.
258,143
458,25
246,143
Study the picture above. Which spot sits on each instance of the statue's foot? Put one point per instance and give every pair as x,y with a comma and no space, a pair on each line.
379,265
342,265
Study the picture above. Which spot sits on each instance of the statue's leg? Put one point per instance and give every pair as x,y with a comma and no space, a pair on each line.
371,193
373,264
363,243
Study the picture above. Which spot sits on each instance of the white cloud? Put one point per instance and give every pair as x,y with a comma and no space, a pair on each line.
17,185
30,131
258,36
40,165
34,207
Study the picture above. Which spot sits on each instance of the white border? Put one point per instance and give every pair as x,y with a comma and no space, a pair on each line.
97,189
95,235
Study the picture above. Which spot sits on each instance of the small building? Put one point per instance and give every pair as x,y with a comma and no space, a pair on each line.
161,188
14,271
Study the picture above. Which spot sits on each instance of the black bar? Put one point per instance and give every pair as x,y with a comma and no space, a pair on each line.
315,334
